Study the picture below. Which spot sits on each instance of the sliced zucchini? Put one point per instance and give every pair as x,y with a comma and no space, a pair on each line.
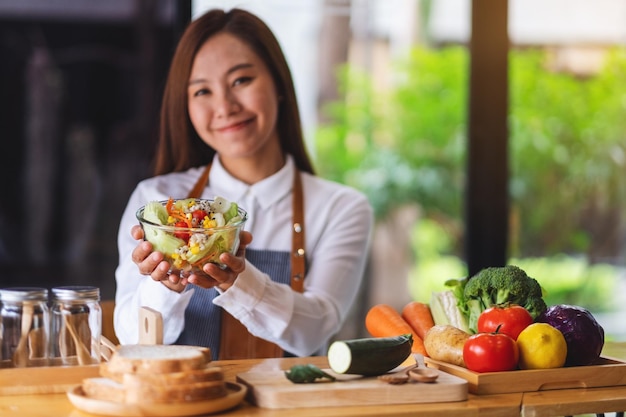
301,374
369,356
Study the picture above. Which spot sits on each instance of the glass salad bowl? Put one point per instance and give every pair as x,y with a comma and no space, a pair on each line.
191,232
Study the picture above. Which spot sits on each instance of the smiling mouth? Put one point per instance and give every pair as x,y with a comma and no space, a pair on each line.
234,126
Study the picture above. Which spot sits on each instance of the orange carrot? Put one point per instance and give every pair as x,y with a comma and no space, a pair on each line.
170,203
382,320
419,317
176,213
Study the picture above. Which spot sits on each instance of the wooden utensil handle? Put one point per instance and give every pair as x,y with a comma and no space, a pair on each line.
150,327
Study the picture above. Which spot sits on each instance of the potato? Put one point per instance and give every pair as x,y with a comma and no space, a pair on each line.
445,343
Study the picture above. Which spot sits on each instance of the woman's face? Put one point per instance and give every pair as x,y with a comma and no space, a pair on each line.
232,99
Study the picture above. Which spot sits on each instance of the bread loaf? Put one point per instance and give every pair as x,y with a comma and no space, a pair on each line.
138,374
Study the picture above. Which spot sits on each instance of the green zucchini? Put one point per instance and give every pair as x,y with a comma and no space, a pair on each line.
369,356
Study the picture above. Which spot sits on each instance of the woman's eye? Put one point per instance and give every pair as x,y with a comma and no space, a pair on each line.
201,92
242,80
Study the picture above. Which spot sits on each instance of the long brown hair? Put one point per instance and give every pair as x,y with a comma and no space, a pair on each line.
179,146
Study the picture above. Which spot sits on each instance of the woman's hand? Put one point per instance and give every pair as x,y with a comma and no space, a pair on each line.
153,264
235,265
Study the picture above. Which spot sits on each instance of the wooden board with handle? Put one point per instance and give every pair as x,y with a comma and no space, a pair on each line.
44,379
271,389
605,373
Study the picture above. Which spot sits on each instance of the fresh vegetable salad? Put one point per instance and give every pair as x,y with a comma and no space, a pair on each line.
191,232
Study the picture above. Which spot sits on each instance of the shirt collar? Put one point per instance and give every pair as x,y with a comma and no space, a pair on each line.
266,192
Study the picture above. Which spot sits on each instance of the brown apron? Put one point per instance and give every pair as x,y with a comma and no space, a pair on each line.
235,340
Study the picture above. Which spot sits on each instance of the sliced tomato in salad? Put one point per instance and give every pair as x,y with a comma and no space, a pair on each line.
182,235
197,217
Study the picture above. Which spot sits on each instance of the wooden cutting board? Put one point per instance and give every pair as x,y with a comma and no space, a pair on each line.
271,389
45,379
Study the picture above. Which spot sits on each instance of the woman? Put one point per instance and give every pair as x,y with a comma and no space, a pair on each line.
230,111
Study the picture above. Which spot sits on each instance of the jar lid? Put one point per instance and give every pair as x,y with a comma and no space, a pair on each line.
13,294
76,292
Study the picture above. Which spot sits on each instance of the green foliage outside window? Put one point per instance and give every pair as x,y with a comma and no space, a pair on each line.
567,148
568,154
567,143
406,144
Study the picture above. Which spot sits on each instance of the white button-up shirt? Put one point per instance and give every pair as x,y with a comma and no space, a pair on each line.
338,222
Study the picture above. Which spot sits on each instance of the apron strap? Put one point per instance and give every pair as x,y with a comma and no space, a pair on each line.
298,258
202,181
236,342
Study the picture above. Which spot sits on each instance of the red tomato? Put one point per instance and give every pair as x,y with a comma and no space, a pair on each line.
180,234
490,352
197,216
511,320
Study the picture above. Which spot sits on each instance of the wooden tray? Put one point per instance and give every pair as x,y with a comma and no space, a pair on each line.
271,389
44,379
607,372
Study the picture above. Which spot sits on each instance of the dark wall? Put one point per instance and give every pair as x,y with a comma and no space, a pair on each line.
79,104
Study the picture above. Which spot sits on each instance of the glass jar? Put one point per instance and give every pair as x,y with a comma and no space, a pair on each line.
24,326
76,325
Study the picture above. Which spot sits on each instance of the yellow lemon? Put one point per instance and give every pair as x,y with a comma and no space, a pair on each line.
541,346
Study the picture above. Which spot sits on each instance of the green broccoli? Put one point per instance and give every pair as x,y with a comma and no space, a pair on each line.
501,285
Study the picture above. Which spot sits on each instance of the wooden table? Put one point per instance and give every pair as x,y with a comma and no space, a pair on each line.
568,402
57,405
535,404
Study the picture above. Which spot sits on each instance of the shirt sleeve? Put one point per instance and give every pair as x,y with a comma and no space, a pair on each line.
135,290
303,323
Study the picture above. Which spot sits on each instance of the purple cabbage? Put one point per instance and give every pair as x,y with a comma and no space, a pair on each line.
583,334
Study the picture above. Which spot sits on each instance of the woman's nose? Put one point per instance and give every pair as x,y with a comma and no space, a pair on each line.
226,104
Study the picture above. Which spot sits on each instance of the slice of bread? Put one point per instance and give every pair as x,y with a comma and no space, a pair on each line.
104,389
209,373
147,393
155,359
